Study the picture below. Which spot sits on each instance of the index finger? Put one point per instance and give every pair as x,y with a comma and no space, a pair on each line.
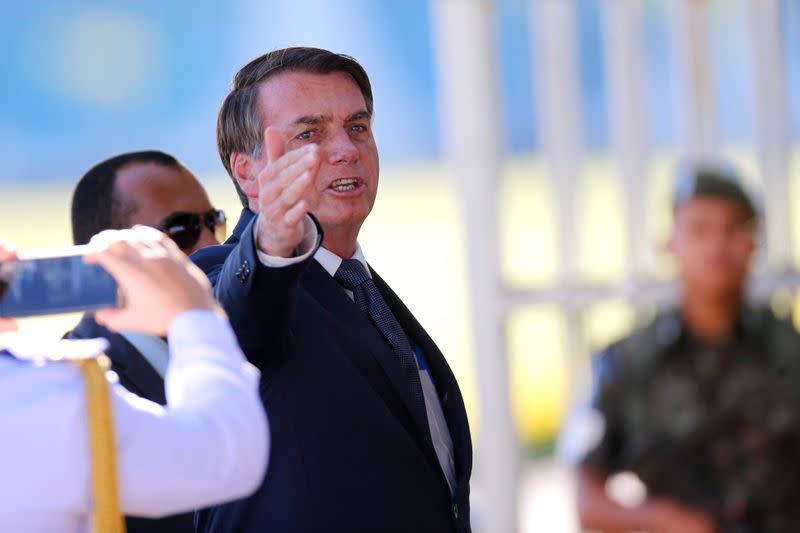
278,158
274,144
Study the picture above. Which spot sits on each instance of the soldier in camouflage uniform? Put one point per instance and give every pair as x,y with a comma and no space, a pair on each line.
703,404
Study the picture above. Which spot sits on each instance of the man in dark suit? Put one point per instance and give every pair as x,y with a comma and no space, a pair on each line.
150,188
368,424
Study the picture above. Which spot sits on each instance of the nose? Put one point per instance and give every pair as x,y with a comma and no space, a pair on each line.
341,148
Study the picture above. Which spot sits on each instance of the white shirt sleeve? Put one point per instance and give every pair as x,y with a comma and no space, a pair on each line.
304,250
209,445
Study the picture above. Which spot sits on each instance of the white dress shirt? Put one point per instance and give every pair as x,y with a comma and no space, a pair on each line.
208,446
437,423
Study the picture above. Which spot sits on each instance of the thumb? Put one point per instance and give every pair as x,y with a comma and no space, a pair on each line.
274,143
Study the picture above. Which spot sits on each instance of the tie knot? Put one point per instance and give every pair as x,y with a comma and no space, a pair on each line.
351,274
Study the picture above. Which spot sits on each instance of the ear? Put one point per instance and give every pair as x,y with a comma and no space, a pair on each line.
243,172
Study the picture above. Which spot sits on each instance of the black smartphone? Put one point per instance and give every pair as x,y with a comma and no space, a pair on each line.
54,282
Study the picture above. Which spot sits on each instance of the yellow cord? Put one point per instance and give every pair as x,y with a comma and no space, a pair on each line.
107,517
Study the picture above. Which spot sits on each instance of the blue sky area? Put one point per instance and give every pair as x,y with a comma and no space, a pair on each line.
86,79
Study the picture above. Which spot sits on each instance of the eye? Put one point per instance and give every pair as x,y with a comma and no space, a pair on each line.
306,135
358,128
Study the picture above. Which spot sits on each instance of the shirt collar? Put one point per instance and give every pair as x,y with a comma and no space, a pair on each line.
331,262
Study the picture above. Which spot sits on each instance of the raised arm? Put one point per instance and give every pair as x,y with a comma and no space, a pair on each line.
258,281
259,298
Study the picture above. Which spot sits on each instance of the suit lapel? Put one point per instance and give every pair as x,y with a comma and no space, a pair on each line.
446,384
134,372
137,371
378,362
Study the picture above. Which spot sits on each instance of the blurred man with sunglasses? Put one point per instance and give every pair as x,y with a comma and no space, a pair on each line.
150,188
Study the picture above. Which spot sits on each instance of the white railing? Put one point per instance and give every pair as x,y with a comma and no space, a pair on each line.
465,49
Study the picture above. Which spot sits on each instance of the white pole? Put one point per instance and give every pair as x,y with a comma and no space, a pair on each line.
698,135
558,104
554,48
624,67
470,125
772,130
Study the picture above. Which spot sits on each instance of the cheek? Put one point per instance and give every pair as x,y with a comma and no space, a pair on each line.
370,161
688,255
742,254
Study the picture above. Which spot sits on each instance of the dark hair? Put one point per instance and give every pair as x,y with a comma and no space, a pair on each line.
713,179
95,203
239,127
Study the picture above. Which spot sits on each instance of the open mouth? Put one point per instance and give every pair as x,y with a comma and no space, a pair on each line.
345,184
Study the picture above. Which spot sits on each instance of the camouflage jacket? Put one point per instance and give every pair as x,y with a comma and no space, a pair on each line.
714,426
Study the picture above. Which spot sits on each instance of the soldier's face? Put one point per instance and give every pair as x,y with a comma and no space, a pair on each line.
713,241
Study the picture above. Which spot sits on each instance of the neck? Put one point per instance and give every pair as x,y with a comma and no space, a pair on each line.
341,241
710,317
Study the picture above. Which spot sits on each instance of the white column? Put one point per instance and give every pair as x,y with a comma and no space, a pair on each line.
469,116
772,129
554,47
698,135
624,44
557,96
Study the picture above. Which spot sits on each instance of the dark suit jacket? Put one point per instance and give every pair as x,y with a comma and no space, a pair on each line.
136,375
347,454
134,371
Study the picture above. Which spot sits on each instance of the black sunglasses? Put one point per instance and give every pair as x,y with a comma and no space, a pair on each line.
185,228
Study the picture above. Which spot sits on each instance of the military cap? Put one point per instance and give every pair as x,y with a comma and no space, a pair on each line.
716,180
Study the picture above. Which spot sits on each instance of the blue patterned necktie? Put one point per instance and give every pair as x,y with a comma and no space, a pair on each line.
353,276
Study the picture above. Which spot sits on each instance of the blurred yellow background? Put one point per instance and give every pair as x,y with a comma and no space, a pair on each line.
416,223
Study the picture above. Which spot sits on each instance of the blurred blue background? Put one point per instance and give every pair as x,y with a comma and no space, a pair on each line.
85,79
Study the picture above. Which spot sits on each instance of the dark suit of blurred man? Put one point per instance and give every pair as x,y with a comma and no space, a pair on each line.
368,423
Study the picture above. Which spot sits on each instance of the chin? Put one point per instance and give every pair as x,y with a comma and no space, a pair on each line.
350,218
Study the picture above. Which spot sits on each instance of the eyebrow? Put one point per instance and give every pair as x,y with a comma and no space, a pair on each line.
359,115
311,119
319,119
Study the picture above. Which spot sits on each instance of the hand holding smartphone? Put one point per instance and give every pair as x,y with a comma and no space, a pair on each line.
157,280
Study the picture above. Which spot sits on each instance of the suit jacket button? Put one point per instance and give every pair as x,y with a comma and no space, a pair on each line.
455,511
243,272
